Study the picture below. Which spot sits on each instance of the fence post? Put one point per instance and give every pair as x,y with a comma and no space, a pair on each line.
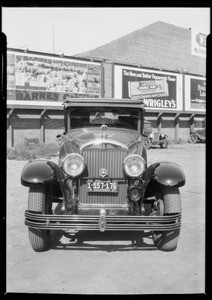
159,122
11,133
42,127
177,127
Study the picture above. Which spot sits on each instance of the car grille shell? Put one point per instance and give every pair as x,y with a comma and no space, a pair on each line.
112,161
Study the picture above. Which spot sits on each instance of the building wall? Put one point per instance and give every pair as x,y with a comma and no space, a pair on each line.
27,124
54,125
168,128
184,129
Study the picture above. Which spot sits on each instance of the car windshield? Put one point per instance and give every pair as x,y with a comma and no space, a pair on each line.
110,116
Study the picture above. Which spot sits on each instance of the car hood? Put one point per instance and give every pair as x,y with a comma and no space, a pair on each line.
78,139
81,138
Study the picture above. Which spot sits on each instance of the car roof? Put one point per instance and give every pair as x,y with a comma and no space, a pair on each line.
117,102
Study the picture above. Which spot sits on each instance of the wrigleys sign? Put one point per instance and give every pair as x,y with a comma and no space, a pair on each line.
158,90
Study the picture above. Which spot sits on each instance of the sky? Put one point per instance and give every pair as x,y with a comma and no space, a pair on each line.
75,30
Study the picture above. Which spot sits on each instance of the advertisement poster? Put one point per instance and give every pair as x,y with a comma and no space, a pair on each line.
195,93
157,89
198,43
198,93
148,88
38,77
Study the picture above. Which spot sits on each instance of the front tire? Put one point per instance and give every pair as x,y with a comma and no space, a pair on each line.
38,202
193,138
146,142
169,204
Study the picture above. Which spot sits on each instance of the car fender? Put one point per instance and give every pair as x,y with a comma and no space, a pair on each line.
165,173
159,142
40,172
199,136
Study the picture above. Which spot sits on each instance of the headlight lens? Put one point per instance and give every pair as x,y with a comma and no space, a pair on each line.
134,165
134,193
73,164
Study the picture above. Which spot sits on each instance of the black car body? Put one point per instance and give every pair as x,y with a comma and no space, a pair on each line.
197,135
102,181
153,137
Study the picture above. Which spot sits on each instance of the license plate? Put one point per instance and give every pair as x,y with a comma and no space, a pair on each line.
102,186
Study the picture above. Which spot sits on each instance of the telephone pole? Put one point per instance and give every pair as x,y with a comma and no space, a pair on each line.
53,38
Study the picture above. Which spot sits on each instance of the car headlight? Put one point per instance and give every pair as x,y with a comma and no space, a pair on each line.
134,165
73,164
134,193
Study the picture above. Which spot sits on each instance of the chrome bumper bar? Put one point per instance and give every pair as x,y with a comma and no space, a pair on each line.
102,223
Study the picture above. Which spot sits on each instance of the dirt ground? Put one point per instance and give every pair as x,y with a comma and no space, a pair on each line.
109,263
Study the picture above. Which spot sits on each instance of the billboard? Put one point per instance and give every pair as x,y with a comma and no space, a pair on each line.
195,93
198,43
159,90
36,77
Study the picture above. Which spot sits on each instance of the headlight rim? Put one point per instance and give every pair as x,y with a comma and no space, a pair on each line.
73,154
134,155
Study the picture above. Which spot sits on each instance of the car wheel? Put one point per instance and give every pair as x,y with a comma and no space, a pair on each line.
168,205
193,138
146,142
37,202
164,145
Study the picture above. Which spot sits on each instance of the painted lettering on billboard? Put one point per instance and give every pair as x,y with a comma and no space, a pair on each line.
198,43
30,95
158,90
38,77
198,93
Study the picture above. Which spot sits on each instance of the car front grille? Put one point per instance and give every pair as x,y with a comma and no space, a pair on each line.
112,161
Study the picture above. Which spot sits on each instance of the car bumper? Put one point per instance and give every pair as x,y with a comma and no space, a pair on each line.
102,223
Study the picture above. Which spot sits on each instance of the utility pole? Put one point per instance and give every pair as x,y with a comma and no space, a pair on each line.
53,39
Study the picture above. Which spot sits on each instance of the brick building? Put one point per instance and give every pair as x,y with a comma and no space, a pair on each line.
160,55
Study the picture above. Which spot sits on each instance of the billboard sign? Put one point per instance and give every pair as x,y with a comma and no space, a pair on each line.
48,78
195,93
159,90
198,43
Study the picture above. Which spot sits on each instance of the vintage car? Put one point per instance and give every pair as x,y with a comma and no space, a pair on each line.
197,135
102,181
153,137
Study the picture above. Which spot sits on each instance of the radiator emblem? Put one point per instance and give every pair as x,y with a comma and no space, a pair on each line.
104,129
103,172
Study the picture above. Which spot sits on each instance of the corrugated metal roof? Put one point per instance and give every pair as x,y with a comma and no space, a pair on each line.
159,45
